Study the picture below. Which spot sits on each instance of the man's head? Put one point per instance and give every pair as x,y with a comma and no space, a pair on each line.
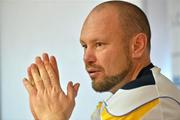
115,36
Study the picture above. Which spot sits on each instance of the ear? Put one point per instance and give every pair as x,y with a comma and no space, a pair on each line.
139,45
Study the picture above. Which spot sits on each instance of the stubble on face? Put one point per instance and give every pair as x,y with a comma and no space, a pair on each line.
110,81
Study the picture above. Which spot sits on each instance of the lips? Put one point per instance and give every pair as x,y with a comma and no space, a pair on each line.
93,73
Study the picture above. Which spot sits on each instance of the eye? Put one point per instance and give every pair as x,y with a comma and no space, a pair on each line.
84,45
99,44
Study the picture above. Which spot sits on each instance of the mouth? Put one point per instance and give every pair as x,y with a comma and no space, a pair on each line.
93,73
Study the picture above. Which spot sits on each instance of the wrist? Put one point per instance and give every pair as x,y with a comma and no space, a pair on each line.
60,117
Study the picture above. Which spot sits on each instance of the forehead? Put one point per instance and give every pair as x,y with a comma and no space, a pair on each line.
100,24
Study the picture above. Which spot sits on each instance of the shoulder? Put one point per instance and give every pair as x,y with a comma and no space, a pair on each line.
162,93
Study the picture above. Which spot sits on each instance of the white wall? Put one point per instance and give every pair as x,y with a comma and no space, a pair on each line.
0,62
31,27
164,17
174,28
161,48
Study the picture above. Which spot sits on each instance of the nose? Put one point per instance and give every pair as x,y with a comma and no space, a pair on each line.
89,56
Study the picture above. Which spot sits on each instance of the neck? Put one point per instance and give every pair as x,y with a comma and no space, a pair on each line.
131,76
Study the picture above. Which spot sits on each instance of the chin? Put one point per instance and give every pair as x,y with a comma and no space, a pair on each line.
100,86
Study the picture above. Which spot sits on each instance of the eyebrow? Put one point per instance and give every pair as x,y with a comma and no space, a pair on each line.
81,41
94,40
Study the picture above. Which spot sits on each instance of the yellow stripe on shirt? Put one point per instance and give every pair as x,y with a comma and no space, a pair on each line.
134,115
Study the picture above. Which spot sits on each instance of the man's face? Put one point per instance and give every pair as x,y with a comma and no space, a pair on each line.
106,52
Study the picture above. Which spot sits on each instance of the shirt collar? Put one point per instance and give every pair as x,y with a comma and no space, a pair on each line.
144,78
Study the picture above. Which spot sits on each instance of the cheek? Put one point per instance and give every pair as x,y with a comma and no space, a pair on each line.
113,62
113,66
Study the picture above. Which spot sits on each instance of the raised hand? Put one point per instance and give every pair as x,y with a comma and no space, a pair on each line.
47,100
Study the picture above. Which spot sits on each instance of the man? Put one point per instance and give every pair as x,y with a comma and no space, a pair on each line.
116,40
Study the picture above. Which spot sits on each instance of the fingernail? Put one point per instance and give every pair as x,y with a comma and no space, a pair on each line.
24,80
71,83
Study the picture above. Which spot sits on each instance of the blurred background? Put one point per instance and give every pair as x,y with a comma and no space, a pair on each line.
30,27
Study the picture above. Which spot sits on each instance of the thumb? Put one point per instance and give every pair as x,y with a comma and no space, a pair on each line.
76,88
70,90
32,110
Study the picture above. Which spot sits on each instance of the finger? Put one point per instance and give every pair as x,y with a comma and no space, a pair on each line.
76,88
45,57
31,90
54,65
30,78
36,77
43,73
52,75
55,68
70,91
